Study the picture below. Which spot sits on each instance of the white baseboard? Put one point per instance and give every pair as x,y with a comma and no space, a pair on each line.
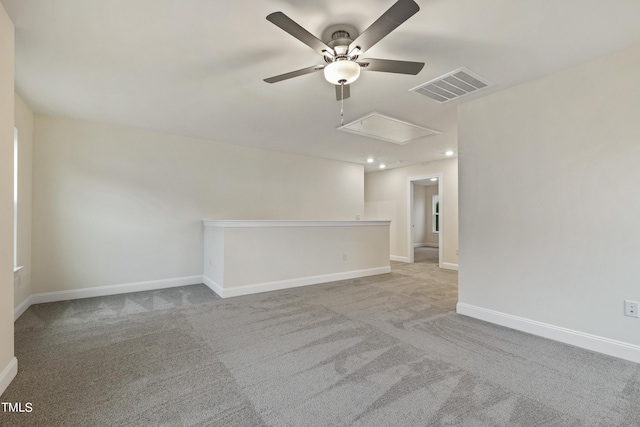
100,291
8,374
399,258
425,245
236,291
213,286
24,305
596,343
449,266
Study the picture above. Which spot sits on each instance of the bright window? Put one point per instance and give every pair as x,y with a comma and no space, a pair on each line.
435,203
15,198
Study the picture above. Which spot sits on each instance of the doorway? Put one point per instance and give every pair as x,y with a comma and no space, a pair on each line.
424,231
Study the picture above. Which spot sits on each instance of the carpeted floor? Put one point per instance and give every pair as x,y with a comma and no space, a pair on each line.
426,254
379,351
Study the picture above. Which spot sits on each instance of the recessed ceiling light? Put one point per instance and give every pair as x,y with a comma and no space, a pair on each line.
448,153
370,160
434,179
382,166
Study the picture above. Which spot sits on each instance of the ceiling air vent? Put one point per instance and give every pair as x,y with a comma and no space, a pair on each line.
376,125
453,85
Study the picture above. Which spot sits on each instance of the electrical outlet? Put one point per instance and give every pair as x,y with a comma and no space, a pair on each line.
344,257
631,308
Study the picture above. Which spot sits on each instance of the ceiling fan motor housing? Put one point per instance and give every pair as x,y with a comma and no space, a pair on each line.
340,41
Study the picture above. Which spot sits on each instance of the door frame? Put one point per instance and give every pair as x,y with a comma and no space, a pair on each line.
410,240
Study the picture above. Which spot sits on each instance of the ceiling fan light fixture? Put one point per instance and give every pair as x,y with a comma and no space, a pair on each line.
342,71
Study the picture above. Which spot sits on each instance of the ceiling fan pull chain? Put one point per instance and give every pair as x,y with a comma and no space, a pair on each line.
342,103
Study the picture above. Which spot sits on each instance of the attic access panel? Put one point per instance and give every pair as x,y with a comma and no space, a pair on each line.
385,128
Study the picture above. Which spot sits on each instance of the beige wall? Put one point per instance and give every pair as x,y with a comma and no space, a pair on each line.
423,215
244,257
277,254
24,124
386,198
114,205
6,194
549,198
419,213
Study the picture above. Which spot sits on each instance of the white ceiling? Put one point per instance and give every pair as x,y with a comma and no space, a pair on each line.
195,67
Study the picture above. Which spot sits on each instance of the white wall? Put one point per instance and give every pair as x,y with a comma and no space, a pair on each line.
549,198
24,124
7,361
213,255
115,205
386,198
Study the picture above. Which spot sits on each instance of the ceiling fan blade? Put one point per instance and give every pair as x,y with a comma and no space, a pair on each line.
293,74
291,27
389,21
339,92
391,66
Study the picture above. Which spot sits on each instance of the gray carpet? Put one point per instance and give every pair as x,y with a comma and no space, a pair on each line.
426,254
379,351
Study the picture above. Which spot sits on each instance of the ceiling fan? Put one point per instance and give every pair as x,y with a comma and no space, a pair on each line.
341,54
